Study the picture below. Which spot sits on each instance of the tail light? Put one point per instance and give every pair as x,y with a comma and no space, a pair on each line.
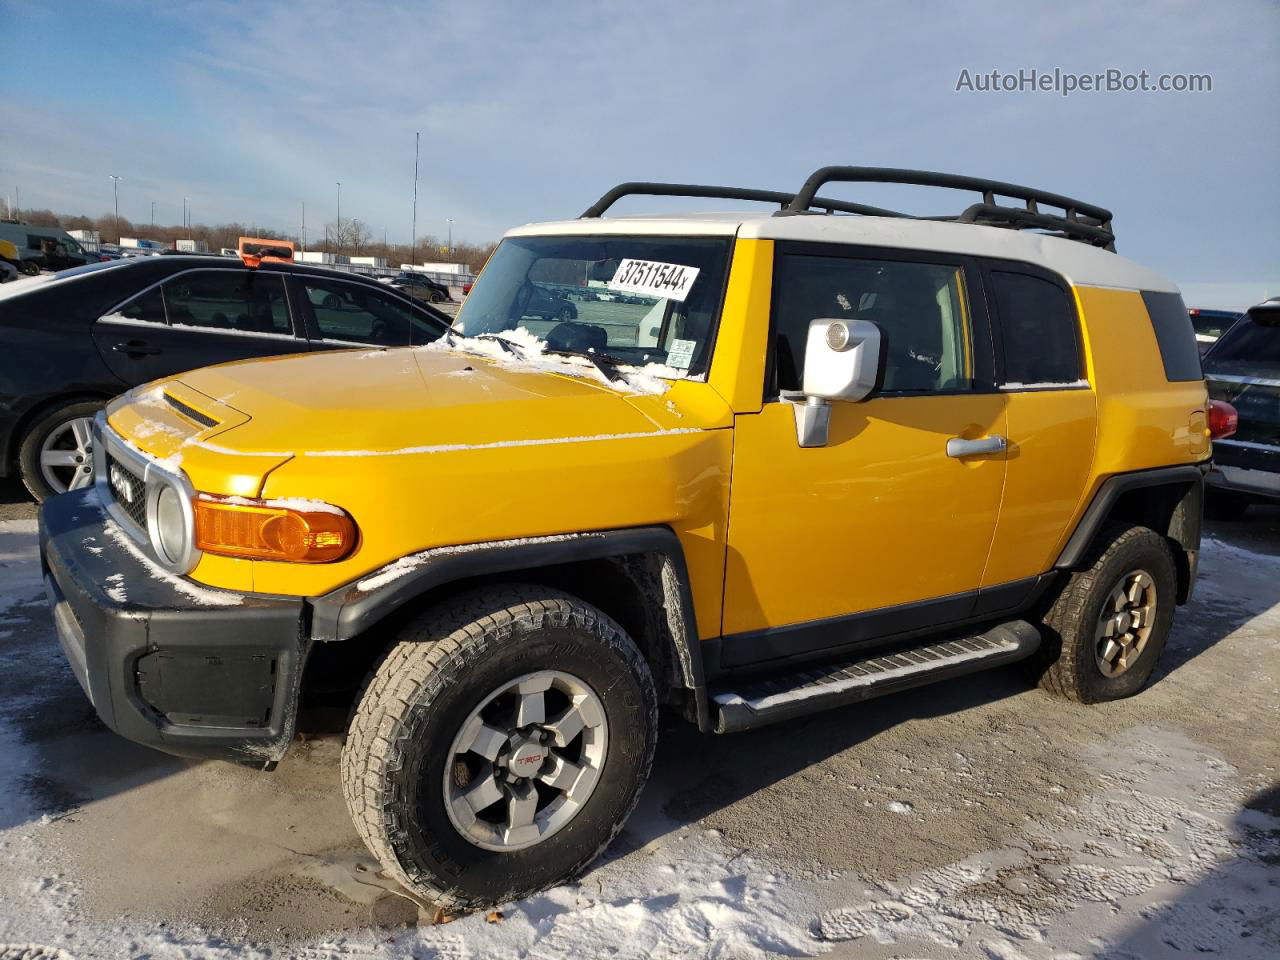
295,531
1223,419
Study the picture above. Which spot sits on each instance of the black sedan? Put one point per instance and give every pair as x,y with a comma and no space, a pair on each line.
75,339
421,288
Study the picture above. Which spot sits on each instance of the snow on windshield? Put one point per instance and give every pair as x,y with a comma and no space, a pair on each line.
524,352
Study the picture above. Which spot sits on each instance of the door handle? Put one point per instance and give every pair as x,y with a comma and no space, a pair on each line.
136,348
960,447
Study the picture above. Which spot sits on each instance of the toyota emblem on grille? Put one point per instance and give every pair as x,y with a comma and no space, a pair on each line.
122,484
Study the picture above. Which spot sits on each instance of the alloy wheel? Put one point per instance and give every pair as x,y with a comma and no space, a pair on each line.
525,761
66,455
1125,623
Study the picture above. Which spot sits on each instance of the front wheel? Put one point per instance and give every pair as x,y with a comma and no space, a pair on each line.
500,746
1109,622
56,454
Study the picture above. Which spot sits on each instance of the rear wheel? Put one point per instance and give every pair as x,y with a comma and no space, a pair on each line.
500,746
1108,625
56,454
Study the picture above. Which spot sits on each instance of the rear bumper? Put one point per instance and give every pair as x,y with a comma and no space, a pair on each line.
188,670
1252,468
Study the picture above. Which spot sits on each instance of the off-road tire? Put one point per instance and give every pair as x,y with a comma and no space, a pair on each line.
1066,665
414,702
1225,504
33,440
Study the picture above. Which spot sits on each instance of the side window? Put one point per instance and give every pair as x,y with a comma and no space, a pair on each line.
1038,332
246,300
145,308
920,309
354,313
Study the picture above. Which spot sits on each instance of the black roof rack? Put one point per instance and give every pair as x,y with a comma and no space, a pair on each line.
638,188
1081,221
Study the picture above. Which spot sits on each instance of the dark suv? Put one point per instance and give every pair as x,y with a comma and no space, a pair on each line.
78,338
1243,368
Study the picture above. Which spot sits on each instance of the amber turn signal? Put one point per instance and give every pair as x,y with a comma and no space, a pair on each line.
273,530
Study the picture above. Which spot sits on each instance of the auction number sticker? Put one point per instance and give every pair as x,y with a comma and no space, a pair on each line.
652,278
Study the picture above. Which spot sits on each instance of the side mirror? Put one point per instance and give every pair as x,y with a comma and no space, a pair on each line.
842,361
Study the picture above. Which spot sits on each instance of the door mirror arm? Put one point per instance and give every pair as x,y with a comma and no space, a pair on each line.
843,360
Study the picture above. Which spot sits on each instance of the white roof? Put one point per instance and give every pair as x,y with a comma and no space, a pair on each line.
1081,264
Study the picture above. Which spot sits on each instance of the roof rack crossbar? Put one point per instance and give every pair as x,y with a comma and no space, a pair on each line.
926,178
638,188
1071,227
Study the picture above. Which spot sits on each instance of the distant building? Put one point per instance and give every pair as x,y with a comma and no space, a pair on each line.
91,240
453,268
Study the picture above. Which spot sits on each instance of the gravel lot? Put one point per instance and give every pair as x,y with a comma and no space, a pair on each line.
976,818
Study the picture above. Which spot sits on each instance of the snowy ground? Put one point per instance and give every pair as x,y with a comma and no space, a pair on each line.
973,819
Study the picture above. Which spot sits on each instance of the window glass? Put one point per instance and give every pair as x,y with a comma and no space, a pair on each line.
1037,330
1175,335
358,314
630,300
1251,348
246,300
146,308
919,307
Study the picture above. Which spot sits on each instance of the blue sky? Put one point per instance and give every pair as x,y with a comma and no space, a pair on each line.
530,111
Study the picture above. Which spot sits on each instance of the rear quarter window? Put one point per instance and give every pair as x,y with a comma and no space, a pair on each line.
1174,334
1038,335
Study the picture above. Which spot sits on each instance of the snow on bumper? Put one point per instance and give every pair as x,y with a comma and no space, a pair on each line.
162,668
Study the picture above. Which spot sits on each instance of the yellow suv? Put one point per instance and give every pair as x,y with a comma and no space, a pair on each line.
765,465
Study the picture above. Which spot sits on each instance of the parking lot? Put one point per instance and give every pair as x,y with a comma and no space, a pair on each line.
976,818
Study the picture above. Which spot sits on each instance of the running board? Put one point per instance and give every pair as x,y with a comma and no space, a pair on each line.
762,701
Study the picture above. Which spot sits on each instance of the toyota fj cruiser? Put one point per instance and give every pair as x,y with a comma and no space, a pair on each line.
775,464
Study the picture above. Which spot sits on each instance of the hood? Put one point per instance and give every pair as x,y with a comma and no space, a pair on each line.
407,400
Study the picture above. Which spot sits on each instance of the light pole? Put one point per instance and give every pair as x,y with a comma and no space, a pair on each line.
185,221
304,226
355,234
339,183
413,239
115,201
153,217
449,221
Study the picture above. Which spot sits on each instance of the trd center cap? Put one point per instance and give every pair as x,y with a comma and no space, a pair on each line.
526,759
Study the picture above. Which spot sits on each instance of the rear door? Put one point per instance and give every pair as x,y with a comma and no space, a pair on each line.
1051,411
198,318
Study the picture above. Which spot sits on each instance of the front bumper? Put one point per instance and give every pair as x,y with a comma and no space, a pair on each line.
167,663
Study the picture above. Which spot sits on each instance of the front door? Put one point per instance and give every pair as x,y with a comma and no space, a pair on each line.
882,530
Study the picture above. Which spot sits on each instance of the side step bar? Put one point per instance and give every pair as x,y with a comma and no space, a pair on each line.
762,701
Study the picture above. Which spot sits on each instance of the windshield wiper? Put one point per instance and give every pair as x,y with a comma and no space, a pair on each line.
509,345
606,363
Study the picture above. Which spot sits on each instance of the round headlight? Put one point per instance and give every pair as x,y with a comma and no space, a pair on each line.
170,534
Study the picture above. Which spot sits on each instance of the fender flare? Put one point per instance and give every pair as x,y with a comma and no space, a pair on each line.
1184,524
357,606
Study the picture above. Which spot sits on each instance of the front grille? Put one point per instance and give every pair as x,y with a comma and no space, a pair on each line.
129,491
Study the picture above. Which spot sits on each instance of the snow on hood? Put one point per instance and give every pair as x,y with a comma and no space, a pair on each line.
419,400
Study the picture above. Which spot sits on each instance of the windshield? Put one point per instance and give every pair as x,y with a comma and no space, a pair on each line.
622,299
1250,348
